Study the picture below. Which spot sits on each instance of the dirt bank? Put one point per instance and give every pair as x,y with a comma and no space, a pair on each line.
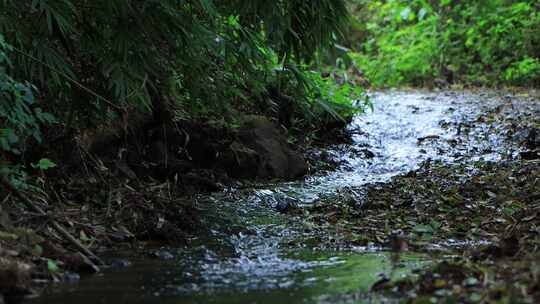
129,189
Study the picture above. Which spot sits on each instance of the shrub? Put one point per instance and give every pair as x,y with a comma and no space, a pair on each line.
20,116
481,42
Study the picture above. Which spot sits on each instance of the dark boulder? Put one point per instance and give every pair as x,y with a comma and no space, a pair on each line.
241,161
261,151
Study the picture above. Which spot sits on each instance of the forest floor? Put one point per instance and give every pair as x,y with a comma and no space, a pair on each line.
485,218
482,215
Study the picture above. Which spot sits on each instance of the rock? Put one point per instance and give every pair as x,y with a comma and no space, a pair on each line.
201,182
71,277
297,164
241,161
262,151
529,155
533,140
162,255
367,153
507,247
428,137
119,263
283,206
79,263
2,299
382,284
521,136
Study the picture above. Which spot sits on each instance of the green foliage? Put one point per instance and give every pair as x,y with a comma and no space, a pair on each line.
19,118
418,41
406,47
341,101
44,164
321,99
52,266
96,62
522,71
198,57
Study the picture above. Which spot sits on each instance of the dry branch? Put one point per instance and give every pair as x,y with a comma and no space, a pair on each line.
87,254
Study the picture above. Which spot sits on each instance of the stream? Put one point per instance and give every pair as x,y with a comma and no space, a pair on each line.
254,254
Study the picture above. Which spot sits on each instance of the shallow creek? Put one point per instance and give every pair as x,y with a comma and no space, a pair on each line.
247,258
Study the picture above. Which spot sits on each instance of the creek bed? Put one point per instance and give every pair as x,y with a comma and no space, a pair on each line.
270,259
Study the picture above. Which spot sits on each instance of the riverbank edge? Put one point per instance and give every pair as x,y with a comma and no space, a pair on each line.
97,203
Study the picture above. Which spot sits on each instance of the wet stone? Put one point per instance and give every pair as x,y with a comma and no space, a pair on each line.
529,155
367,153
283,206
162,255
529,137
120,263
71,277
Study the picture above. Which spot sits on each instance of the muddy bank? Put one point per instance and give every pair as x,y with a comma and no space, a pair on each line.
132,189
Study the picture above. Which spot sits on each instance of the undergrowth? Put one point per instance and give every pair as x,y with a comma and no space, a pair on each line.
106,65
421,42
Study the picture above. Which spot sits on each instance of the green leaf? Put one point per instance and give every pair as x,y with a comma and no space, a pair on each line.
83,236
45,164
421,228
12,138
52,266
445,2
37,250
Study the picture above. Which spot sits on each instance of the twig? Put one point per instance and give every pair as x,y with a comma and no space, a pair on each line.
84,251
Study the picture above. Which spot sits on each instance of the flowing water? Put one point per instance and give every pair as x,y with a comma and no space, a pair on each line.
248,256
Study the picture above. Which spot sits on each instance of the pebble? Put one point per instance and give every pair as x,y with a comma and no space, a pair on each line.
367,153
283,206
71,277
120,263
162,255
